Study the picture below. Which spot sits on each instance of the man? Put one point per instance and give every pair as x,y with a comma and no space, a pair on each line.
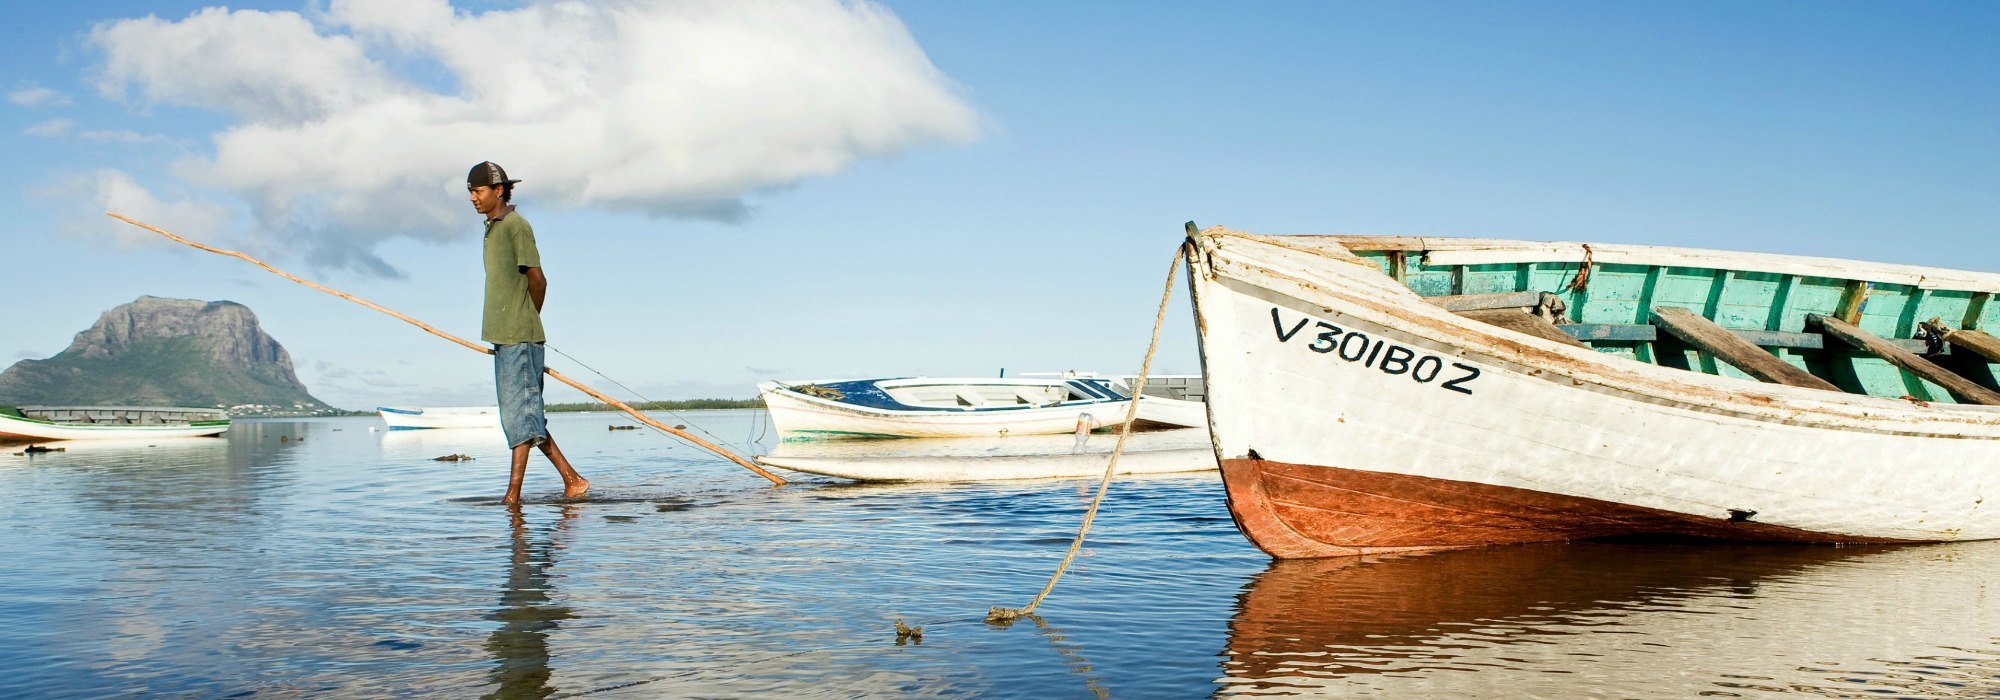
515,288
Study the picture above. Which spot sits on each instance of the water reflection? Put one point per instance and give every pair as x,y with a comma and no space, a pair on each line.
1616,614
527,613
1018,457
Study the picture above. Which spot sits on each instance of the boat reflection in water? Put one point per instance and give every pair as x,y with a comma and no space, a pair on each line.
527,613
1645,619
1174,451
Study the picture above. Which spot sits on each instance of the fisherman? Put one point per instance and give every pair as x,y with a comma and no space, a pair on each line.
515,288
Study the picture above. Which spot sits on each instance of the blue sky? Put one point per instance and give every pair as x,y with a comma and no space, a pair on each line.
1038,241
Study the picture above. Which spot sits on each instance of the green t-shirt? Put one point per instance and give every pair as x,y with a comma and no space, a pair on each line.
510,315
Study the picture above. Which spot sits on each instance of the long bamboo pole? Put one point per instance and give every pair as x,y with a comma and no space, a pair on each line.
595,394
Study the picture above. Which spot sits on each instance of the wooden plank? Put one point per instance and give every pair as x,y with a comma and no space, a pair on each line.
1638,333
1523,322
1724,345
1978,342
1481,302
1961,388
1611,332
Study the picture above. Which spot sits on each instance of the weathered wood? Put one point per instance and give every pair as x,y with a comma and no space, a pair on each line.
1979,342
1643,333
1523,322
1852,300
1482,302
1727,346
1965,390
1611,332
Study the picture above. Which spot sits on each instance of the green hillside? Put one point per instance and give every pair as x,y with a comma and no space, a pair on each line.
175,371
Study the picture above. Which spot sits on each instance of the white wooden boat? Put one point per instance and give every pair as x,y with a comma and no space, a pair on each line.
39,423
1352,413
414,417
973,459
960,407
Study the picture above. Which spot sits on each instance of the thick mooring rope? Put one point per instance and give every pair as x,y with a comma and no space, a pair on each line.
999,615
595,394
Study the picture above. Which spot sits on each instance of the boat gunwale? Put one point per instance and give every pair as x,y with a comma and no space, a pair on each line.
935,411
1467,251
786,389
19,413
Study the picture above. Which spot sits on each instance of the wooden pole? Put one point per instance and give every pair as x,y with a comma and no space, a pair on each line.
620,405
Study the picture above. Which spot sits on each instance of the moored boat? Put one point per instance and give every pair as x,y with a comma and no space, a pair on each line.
1380,394
39,423
959,407
415,417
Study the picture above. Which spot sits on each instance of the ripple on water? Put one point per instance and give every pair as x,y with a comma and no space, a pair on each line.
350,563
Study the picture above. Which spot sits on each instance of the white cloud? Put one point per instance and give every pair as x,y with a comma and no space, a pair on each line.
116,190
51,129
125,137
36,96
668,108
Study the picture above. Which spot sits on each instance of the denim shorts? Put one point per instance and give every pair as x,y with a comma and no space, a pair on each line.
517,376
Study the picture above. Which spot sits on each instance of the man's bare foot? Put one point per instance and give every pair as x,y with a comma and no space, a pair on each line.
576,489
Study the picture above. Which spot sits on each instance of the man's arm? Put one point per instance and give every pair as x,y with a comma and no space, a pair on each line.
538,286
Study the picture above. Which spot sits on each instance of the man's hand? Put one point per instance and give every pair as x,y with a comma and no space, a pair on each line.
538,286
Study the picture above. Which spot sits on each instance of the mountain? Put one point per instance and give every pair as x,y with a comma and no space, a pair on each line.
164,352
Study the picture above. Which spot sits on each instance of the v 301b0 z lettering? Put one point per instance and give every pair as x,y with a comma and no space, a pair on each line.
1376,353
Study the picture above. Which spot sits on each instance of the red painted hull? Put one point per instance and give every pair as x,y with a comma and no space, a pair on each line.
1295,511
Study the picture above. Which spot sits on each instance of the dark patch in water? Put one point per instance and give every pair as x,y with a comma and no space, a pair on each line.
398,644
552,499
622,518
676,505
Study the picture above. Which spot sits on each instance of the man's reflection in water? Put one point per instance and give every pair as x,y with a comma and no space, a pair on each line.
521,645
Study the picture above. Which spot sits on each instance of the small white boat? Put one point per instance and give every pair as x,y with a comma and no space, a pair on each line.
960,407
38,423
961,459
414,417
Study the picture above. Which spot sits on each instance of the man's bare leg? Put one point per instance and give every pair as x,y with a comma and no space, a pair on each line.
574,485
520,471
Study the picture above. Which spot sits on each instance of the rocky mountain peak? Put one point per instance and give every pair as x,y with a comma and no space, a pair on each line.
155,350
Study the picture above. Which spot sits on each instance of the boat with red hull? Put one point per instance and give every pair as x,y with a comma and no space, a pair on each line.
1385,394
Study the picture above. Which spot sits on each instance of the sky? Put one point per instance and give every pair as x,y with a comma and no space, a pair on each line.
729,192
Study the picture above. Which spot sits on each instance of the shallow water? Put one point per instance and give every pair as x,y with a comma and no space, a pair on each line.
350,563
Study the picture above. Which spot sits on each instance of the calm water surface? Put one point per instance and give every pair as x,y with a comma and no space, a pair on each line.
350,563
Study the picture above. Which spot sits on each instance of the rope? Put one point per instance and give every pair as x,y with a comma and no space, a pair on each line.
642,399
999,615
558,376
1582,278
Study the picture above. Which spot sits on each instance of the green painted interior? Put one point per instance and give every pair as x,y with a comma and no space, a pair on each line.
1736,299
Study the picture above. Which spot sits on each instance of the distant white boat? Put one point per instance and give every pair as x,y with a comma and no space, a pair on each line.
413,417
38,423
962,407
959,459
